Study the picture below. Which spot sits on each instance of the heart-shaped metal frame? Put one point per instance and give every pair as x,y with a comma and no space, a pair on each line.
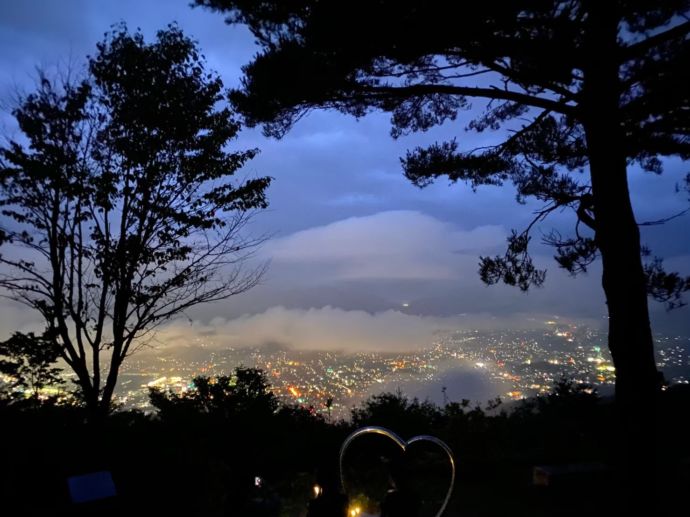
403,445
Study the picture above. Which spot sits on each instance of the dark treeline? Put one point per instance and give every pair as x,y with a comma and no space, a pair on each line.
201,452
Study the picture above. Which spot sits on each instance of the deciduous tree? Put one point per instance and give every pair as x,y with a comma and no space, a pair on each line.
29,360
119,202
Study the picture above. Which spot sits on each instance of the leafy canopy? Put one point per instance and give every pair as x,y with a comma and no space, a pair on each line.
121,206
427,62
244,395
29,361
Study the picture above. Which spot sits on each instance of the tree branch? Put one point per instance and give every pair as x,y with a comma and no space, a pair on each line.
504,70
469,91
664,220
639,48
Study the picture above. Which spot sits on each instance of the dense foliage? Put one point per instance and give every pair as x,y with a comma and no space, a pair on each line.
120,209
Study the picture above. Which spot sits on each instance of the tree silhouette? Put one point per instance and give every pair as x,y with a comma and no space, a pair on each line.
245,395
29,360
395,411
584,89
120,207
245,427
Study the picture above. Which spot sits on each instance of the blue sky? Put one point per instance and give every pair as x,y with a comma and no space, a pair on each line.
354,244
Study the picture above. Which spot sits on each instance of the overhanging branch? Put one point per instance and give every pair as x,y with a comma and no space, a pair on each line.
639,48
469,91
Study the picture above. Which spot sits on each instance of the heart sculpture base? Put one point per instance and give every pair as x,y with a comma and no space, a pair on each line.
403,445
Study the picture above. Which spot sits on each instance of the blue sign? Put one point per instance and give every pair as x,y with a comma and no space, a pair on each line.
91,487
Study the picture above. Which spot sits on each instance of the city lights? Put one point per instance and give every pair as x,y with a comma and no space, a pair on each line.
519,363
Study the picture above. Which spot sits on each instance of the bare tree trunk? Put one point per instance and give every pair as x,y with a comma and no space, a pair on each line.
617,233
89,392
109,388
618,239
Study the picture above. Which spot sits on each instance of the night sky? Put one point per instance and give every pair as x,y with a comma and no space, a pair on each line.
359,258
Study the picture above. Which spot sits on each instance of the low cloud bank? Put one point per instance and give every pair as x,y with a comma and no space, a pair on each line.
330,328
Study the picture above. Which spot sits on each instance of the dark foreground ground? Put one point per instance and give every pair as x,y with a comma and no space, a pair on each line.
188,461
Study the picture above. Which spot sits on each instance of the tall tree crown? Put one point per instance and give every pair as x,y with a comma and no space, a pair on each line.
527,61
418,60
122,199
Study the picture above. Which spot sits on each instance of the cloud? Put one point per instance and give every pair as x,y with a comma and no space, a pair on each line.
325,328
332,328
354,199
387,245
404,260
